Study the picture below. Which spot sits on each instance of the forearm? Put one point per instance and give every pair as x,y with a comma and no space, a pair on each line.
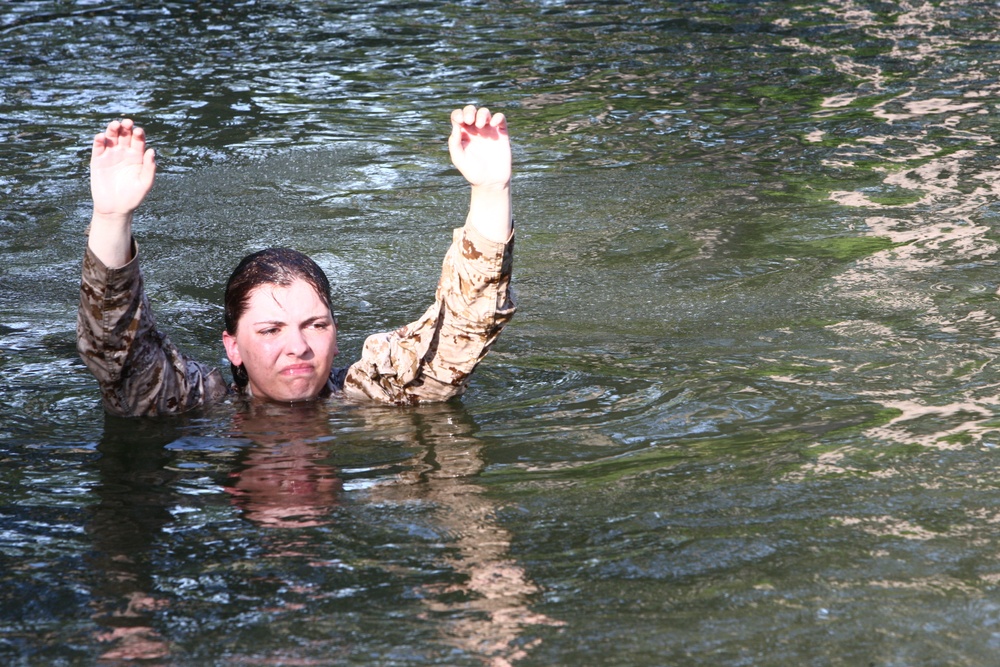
139,370
473,305
110,238
431,359
490,212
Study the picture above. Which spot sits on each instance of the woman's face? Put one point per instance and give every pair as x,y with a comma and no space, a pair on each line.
286,339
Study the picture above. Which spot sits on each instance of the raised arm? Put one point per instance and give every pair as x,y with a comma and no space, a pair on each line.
480,148
121,174
139,370
432,358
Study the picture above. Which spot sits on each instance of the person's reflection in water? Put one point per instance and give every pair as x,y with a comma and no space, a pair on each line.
486,614
286,480
282,480
125,526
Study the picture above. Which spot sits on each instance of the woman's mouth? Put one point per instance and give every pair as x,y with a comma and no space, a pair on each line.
297,369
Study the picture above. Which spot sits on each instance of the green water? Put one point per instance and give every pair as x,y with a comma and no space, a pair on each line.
747,412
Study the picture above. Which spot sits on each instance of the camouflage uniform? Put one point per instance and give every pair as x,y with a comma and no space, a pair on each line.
140,372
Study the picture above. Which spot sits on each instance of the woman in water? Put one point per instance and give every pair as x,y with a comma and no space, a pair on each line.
280,334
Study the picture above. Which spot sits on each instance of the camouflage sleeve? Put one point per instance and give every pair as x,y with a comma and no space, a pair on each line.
431,359
139,370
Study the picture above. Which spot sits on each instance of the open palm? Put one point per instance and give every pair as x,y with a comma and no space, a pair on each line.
121,169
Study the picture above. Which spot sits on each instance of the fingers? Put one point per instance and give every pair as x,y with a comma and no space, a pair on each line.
124,134
479,117
106,139
455,138
98,146
499,121
149,166
469,115
111,135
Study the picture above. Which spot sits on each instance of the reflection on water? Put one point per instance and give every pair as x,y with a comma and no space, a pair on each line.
934,186
486,609
134,494
746,413
284,479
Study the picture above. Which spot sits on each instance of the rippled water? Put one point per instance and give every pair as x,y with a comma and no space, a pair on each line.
746,414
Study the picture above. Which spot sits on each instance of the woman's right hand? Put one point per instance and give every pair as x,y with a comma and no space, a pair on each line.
121,169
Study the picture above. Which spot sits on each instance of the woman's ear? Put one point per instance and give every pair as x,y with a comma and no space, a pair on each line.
232,349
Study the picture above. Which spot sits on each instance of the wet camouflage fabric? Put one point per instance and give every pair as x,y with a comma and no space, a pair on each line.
140,372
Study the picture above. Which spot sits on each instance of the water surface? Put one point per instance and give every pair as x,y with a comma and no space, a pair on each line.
746,414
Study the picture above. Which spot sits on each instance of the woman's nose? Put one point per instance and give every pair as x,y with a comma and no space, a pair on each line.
296,344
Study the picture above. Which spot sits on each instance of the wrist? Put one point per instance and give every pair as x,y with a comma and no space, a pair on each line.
490,211
111,220
490,197
110,238
488,189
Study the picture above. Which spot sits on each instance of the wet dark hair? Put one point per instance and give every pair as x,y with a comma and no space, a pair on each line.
273,266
